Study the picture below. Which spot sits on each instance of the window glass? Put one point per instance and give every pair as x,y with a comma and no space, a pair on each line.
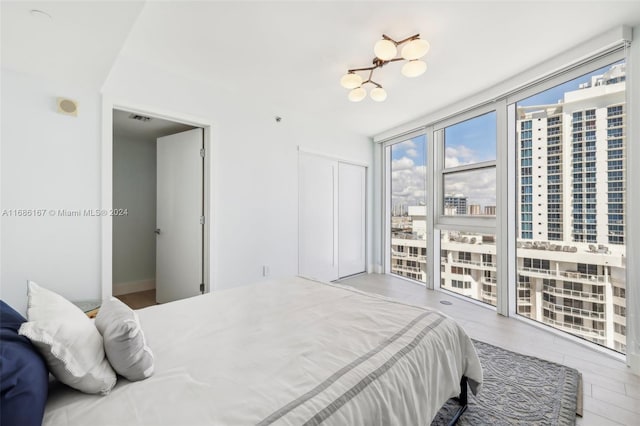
471,141
468,265
471,191
408,195
571,207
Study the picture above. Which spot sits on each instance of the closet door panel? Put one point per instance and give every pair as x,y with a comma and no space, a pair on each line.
351,219
317,217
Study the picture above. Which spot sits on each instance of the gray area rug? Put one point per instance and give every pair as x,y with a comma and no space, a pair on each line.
518,390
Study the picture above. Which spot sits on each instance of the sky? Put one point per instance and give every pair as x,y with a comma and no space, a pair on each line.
555,94
409,172
467,142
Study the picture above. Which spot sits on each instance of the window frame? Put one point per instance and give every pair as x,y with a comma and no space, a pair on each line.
470,223
386,199
503,100
462,222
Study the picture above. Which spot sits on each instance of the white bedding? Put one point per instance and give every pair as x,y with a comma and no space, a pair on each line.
285,352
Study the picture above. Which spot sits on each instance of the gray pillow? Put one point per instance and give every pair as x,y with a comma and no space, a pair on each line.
124,342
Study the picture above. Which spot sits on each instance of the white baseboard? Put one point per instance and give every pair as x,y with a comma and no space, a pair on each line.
133,287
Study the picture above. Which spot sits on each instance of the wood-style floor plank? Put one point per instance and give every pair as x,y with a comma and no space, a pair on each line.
611,391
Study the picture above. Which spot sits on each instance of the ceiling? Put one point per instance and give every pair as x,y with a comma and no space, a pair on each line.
78,45
125,126
288,57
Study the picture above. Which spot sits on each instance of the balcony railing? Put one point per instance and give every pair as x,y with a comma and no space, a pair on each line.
575,329
583,313
488,296
571,275
582,295
524,301
406,268
466,262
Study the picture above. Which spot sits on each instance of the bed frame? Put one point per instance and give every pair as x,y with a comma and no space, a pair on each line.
462,399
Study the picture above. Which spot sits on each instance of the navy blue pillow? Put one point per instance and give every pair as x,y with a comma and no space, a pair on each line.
25,378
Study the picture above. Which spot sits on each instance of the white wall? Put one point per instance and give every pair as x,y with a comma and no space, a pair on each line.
254,179
134,189
49,161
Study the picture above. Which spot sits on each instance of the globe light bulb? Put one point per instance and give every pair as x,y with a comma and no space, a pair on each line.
415,49
385,49
351,81
414,68
357,94
378,94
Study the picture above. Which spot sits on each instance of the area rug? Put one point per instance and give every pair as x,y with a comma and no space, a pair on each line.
518,390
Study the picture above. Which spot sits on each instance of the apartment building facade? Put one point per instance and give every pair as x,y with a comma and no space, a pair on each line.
570,219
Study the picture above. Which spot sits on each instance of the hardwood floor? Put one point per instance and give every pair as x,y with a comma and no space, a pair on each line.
611,391
139,300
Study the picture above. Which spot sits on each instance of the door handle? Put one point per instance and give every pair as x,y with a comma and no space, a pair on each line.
157,231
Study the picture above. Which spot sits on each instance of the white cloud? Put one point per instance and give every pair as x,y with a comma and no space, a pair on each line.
403,163
459,155
406,144
412,152
408,183
478,186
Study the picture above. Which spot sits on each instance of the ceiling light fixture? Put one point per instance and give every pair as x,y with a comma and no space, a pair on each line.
386,50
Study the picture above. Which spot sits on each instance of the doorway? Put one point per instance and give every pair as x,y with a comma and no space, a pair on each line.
158,209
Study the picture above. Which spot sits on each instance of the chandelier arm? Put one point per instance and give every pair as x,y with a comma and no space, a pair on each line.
378,63
363,69
413,37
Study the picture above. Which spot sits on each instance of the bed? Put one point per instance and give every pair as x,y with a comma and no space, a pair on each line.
285,352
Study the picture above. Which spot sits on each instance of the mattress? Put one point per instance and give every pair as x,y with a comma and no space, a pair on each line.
285,352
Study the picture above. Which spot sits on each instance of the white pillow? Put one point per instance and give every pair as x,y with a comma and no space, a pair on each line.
68,340
124,341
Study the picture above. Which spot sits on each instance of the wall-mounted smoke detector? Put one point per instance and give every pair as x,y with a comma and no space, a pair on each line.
139,117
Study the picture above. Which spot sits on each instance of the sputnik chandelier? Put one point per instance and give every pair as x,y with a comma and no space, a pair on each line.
386,50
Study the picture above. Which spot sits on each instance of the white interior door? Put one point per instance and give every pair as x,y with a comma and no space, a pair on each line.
178,219
317,216
351,219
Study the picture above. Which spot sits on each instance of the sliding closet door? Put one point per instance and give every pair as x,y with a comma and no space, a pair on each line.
351,219
317,216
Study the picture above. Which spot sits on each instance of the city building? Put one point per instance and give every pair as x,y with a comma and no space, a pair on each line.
570,251
475,209
455,204
571,257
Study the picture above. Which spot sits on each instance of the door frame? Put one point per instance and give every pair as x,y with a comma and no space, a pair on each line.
106,221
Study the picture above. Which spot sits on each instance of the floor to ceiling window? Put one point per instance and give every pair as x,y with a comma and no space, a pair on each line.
522,202
407,194
468,180
571,206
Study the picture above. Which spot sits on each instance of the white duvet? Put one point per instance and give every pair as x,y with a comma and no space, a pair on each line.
285,352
